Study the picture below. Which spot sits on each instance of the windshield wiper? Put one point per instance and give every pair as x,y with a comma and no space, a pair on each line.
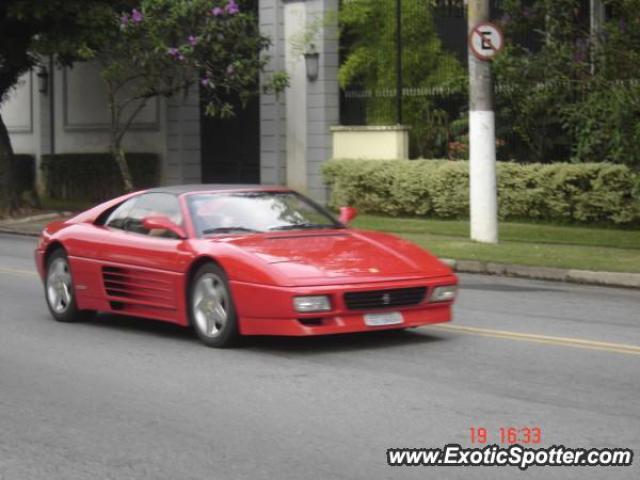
304,226
209,231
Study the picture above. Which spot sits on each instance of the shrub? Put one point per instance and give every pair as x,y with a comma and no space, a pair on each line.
95,176
25,176
559,192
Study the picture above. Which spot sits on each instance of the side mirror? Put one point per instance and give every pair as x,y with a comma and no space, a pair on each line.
347,214
163,223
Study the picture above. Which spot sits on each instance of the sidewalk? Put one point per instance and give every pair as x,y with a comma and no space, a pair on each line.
587,277
33,225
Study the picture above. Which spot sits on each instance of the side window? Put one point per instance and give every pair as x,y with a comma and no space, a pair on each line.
117,218
154,204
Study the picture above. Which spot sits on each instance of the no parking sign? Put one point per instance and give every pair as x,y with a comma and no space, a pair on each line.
486,40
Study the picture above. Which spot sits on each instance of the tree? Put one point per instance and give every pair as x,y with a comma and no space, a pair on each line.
30,29
162,47
568,92
368,32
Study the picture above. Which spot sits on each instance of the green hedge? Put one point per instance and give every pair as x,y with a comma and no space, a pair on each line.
558,192
25,172
95,176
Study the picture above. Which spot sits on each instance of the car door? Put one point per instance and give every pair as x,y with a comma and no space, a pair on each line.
142,271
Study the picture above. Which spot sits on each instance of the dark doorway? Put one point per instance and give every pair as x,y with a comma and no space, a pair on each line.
231,147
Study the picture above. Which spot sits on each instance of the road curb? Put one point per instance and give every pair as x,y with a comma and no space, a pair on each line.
32,218
33,225
587,277
21,233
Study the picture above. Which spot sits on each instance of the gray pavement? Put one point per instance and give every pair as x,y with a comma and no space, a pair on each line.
123,398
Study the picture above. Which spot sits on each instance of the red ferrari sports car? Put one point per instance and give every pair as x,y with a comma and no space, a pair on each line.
234,260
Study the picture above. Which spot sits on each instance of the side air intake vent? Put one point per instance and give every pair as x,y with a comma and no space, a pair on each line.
137,287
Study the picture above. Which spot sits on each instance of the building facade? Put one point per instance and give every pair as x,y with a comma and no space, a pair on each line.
281,139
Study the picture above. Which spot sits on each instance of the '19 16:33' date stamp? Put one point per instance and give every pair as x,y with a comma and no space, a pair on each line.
506,435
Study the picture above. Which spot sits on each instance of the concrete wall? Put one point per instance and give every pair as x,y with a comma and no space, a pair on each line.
77,98
20,113
183,157
82,115
371,142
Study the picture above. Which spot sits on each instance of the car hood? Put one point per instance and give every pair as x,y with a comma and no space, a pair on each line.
341,256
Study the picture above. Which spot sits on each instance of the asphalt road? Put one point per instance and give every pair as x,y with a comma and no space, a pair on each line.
121,398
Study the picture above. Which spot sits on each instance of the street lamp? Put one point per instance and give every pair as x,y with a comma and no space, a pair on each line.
312,63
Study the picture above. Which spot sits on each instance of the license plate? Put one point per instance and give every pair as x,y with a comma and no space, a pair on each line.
388,318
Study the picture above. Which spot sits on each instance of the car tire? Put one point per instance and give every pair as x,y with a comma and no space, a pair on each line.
59,290
211,308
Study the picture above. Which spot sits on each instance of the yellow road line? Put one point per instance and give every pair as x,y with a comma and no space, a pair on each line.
15,271
546,339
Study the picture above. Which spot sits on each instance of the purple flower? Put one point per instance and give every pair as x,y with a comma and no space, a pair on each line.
193,40
136,16
232,7
216,12
173,52
124,20
231,70
205,81
622,25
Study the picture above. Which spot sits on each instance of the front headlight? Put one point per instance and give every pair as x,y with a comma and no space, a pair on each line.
445,293
315,303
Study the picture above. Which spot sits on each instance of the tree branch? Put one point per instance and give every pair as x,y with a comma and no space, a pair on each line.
130,120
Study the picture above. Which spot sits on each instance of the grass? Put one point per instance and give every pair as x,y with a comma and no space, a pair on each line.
584,248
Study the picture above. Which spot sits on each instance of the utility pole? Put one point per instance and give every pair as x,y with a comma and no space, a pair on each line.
482,144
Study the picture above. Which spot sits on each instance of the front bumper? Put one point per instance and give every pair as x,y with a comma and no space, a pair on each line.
268,310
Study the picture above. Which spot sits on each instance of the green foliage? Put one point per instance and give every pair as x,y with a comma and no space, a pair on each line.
163,46
560,192
368,29
304,40
32,28
569,92
606,124
95,176
29,30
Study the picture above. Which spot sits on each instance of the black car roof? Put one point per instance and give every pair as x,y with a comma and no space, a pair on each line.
214,187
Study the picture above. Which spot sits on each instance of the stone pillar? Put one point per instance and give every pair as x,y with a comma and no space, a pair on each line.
295,129
272,108
323,98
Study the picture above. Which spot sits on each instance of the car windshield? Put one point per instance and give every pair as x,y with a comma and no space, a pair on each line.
250,212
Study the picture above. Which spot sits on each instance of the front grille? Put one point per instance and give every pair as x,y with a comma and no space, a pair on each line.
384,298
